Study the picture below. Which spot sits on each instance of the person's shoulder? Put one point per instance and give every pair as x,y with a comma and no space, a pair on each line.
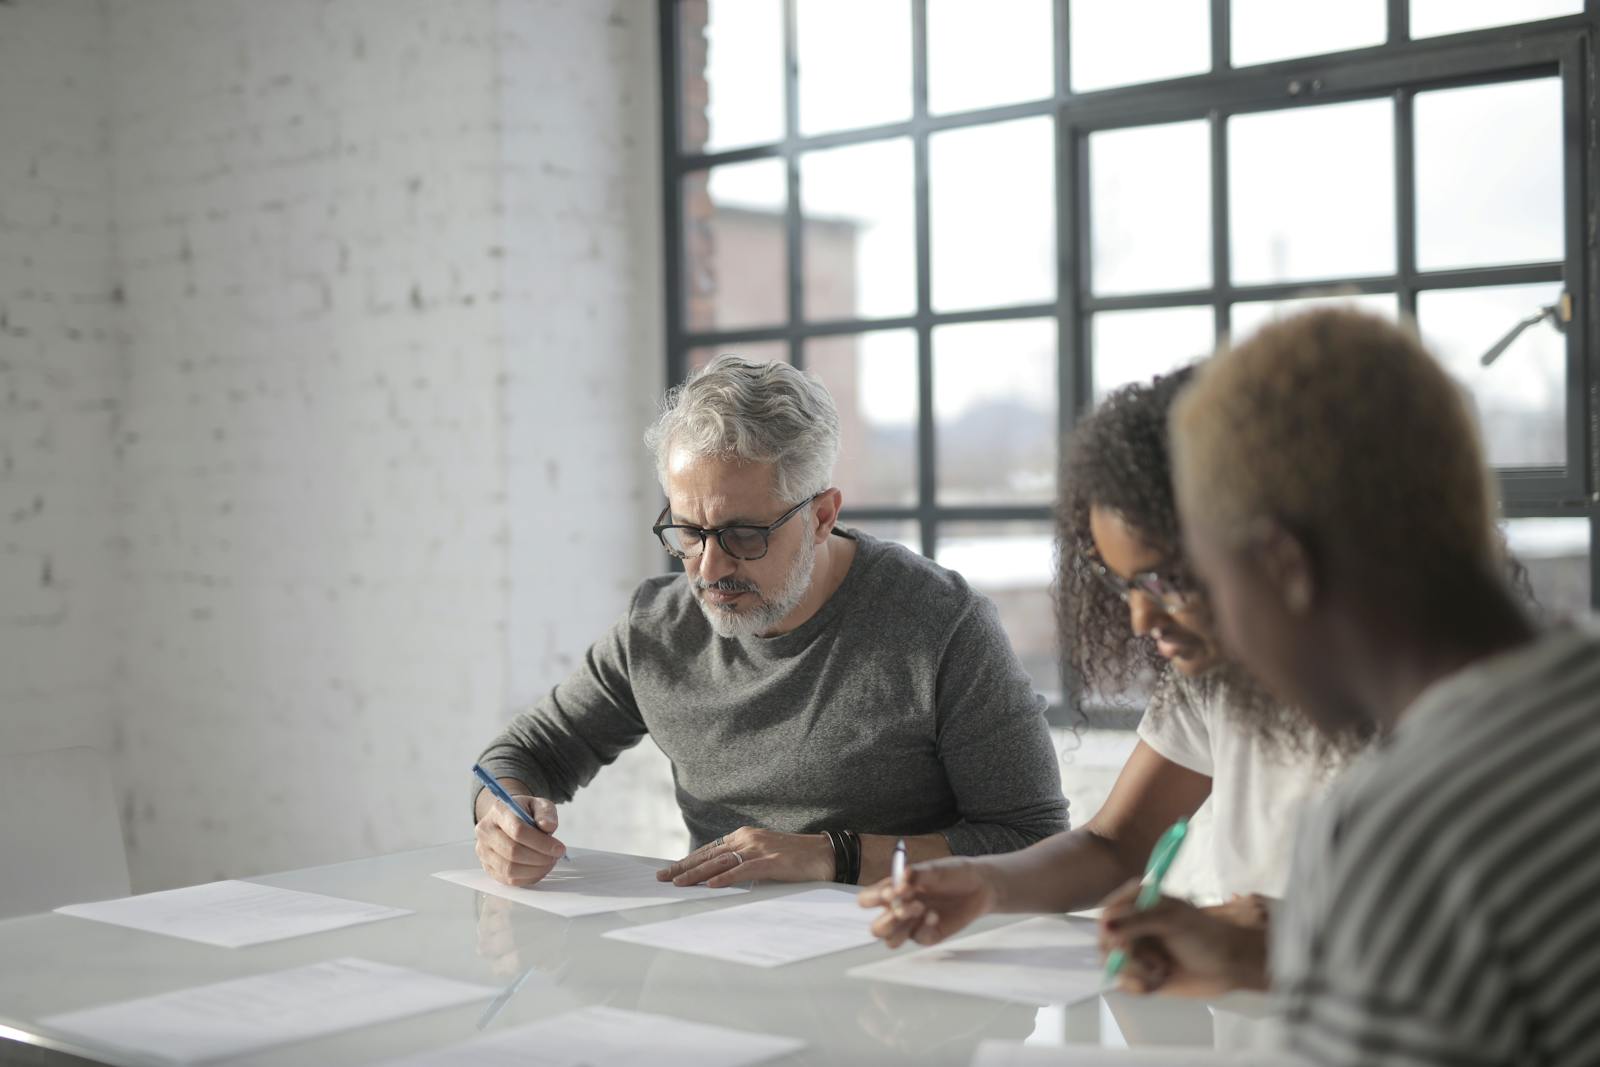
661,595
894,579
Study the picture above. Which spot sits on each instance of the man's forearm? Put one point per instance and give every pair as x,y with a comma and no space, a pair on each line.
486,798
1067,872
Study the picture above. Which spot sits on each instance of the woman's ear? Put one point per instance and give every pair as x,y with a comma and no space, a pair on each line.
1286,565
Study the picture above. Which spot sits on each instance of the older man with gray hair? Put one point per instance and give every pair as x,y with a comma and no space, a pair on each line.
819,692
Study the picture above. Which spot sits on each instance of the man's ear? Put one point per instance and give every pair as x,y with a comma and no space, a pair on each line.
825,513
1286,565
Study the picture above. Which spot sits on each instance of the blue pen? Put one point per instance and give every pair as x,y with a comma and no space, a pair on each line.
505,798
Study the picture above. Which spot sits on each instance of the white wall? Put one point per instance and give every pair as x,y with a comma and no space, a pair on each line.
58,379
389,276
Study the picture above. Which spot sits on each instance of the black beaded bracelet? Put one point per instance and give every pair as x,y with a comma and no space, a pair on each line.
841,855
852,842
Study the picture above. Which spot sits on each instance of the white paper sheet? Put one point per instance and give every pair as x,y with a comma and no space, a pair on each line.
611,1037
1037,961
246,1014
1012,1054
593,883
232,914
767,933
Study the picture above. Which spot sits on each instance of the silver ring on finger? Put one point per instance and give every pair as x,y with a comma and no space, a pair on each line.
737,859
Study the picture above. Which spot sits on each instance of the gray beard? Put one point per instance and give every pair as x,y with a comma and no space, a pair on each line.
754,621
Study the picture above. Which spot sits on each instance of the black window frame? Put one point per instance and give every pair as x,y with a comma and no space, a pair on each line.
1397,69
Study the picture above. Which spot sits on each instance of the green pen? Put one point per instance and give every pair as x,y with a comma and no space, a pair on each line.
1161,858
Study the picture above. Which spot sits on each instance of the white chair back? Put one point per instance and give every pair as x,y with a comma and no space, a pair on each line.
60,838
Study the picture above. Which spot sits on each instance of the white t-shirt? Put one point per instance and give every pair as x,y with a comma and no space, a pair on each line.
1258,788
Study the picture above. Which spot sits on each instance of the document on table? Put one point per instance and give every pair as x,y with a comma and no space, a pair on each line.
594,882
1037,961
246,1014
599,1036
232,914
993,1053
767,933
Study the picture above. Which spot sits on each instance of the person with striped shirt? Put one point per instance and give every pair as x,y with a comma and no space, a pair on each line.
1444,903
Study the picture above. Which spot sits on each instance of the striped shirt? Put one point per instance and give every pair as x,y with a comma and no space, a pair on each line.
1444,906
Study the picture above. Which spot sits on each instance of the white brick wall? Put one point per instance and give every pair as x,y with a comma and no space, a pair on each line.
58,378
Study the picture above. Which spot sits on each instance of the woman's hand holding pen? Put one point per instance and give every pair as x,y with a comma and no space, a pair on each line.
936,900
1174,947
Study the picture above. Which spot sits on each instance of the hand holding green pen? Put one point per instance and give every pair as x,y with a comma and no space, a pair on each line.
1161,858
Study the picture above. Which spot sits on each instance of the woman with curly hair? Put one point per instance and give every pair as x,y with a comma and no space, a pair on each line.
1133,619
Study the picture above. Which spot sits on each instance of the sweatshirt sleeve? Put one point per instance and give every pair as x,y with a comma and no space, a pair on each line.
557,746
993,741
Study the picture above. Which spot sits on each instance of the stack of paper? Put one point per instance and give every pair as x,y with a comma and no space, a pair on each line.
767,933
247,1014
593,883
1038,961
232,914
610,1037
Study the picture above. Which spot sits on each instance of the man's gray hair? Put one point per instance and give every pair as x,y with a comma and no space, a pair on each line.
752,412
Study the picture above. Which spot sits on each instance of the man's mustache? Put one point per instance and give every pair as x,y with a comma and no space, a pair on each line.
726,585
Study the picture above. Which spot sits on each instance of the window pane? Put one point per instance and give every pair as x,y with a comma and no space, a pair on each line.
855,63
734,247
860,234
1245,319
1123,42
1311,192
1268,30
992,201
1430,18
1556,553
1013,564
994,403
1150,204
1135,346
1522,396
988,54
731,52
760,351
900,531
1507,138
873,379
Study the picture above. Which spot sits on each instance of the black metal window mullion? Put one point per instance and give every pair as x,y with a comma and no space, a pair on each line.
927,442
1221,242
1405,201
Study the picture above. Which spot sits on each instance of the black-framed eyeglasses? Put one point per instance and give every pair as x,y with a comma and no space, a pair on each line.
740,541
1169,588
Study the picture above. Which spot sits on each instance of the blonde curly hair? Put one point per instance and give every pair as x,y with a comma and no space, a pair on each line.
1340,426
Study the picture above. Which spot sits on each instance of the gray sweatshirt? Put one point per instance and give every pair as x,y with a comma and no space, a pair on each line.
899,708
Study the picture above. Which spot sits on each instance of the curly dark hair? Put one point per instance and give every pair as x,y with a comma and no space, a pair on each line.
1117,459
